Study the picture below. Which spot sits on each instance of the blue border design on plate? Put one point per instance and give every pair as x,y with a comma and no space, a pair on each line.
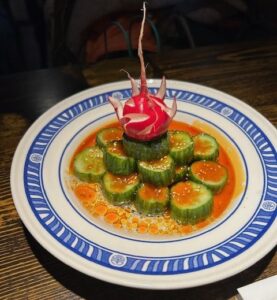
238,243
145,241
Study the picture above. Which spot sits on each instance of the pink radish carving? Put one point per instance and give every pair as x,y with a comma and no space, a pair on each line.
144,116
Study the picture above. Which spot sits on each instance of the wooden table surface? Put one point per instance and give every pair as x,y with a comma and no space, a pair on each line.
27,271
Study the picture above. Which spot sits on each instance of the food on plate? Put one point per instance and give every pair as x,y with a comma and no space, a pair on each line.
171,198
165,174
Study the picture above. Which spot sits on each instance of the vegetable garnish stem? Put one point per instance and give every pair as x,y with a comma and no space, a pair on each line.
143,87
135,90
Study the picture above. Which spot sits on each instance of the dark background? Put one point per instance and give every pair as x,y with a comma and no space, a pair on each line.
37,34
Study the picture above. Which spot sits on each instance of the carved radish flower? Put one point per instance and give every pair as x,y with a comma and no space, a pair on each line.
144,116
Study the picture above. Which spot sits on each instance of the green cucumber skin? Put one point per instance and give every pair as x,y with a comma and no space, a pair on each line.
209,156
182,157
157,177
185,155
119,199
99,139
192,215
214,187
116,198
88,177
119,165
146,151
181,175
151,207
85,175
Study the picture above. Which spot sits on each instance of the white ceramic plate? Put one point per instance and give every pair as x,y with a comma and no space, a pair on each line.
236,241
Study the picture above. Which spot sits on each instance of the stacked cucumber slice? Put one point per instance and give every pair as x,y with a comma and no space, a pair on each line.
152,200
159,172
116,161
176,172
108,135
181,147
120,190
150,150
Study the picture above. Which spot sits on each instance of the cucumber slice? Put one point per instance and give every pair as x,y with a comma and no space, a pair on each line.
210,173
181,147
205,147
180,173
116,161
146,151
120,190
151,200
190,202
159,172
88,165
108,135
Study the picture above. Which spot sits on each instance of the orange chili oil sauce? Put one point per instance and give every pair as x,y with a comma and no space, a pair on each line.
126,218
